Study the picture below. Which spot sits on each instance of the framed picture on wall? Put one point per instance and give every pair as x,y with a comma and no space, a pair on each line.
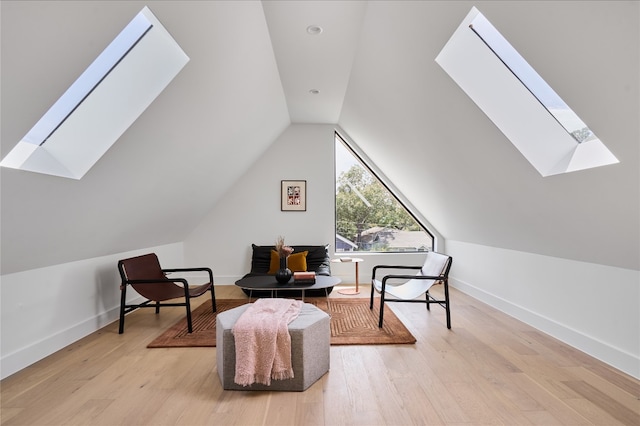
293,195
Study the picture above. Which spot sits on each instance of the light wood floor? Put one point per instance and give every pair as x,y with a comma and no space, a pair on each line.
488,369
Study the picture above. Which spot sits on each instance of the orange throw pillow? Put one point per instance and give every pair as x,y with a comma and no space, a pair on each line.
297,262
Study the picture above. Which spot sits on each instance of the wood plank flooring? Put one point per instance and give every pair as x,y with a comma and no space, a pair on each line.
489,369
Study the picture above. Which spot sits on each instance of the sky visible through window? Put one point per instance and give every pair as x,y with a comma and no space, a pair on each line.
344,159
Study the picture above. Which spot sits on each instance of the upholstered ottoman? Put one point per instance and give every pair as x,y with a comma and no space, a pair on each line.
310,340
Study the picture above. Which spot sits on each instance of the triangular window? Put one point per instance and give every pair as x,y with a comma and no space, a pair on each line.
369,217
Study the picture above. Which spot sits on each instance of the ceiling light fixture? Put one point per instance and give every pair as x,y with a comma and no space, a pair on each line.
314,91
314,29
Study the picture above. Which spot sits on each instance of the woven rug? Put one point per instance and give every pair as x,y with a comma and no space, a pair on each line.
352,323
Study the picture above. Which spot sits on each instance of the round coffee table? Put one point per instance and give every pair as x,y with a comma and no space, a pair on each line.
269,283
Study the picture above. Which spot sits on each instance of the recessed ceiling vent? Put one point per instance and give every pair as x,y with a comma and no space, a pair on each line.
102,103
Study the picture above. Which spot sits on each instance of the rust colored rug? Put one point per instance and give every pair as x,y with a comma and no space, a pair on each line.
352,323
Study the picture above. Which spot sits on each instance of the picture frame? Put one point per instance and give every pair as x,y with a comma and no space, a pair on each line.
293,195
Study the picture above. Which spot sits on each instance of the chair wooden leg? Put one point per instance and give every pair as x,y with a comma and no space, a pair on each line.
157,307
426,296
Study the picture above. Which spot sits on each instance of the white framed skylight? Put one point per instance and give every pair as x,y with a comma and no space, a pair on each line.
520,103
102,103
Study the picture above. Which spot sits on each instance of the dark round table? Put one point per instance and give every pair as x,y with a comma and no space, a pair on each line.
269,283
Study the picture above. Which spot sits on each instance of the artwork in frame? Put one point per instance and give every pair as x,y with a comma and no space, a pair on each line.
294,195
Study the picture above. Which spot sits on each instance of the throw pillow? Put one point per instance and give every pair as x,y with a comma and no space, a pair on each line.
297,262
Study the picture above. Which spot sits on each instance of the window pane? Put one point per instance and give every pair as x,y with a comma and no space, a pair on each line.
368,216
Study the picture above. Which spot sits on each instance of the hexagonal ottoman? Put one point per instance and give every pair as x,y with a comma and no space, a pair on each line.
310,342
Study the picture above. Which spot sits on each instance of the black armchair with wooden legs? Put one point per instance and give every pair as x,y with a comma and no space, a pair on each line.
145,275
406,288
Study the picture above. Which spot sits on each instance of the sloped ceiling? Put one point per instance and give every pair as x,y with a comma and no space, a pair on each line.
314,62
169,168
252,66
459,170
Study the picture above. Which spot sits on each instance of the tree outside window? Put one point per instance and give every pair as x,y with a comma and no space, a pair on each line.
368,216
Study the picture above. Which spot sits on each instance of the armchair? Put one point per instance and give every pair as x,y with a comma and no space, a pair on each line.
145,275
435,270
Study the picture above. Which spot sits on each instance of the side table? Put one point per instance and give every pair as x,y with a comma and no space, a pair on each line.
356,260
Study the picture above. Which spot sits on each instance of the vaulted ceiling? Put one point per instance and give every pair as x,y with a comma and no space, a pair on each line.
253,65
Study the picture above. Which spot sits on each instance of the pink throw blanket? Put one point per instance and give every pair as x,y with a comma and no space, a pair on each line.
263,342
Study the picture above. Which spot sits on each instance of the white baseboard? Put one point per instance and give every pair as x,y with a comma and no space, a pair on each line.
24,357
628,363
226,279
617,358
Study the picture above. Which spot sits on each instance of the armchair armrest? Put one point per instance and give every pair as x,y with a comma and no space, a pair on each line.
174,280
184,281
208,270
375,268
412,277
186,269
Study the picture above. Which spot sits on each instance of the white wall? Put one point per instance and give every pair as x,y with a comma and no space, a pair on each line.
589,306
457,167
250,211
216,117
43,310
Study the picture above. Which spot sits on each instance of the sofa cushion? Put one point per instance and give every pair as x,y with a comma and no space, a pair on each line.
318,259
297,262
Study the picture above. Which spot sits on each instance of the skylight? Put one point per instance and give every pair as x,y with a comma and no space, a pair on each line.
102,103
514,96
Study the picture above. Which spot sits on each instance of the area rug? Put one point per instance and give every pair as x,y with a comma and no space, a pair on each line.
352,323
